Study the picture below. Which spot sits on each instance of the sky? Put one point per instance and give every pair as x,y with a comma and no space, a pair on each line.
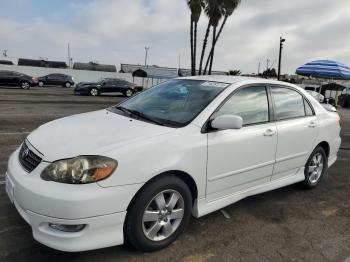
116,31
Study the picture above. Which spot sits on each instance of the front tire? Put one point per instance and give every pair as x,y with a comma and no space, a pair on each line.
158,214
316,166
128,93
41,83
25,85
67,85
94,92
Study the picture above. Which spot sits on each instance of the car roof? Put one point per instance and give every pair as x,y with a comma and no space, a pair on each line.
235,79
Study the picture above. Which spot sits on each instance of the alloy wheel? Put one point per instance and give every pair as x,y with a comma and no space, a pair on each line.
94,92
128,93
25,85
315,168
163,215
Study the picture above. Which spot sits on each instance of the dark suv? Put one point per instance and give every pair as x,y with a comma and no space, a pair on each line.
56,80
11,78
107,85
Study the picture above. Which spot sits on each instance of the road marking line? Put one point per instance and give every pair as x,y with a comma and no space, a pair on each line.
15,133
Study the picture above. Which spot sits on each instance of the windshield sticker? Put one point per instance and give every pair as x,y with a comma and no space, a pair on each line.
215,84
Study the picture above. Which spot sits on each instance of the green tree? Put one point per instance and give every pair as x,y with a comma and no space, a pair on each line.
195,7
236,72
270,73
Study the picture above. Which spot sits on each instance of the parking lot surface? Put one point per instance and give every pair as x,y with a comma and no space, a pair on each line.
289,224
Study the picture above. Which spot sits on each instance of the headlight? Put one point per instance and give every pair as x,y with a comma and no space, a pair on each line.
80,170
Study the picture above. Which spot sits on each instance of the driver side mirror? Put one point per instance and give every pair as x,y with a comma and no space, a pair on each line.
224,122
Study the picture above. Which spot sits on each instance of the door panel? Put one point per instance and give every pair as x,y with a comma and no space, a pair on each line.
242,158
239,159
296,139
297,130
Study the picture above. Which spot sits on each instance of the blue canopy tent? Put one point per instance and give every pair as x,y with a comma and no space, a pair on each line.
325,69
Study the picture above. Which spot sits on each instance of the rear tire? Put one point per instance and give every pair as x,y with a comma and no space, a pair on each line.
315,167
158,214
94,92
41,83
25,85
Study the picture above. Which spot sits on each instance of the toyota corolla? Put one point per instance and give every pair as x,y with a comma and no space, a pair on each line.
137,171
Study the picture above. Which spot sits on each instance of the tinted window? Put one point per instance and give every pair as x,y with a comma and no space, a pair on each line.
250,103
288,103
308,109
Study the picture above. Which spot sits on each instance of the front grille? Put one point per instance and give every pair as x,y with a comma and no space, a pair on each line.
28,159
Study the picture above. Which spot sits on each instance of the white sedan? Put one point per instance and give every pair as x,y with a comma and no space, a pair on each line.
139,170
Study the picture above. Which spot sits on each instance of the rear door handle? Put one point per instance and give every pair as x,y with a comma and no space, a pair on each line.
312,124
269,132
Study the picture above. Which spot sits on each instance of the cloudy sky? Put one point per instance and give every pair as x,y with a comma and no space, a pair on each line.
116,31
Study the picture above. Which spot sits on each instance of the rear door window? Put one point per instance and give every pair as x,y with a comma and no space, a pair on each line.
288,103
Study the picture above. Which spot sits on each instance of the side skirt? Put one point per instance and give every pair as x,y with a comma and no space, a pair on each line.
203,207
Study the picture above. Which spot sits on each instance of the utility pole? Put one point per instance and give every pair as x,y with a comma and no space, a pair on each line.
267,64
259,68
69,58
282,40
179,61
146,49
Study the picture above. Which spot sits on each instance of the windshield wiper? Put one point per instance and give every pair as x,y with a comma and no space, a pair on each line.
139,114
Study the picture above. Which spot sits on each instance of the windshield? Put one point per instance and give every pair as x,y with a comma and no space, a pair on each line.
174,103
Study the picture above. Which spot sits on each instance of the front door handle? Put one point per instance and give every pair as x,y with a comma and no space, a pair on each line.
312,124
269,132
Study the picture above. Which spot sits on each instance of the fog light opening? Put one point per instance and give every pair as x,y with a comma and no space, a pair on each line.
67,228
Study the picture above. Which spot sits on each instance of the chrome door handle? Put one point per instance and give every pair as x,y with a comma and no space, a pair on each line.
269,132
312,124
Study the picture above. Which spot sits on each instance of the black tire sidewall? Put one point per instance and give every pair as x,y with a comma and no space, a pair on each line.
307,182
133,224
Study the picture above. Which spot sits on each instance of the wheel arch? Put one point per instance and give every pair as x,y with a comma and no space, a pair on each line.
188,179
325,146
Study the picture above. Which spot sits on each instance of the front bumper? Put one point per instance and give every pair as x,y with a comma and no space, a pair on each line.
41,203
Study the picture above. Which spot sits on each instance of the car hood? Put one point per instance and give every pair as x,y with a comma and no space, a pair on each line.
90,134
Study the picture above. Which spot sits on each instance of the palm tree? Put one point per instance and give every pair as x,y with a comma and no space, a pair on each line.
196,11
227,8
212,10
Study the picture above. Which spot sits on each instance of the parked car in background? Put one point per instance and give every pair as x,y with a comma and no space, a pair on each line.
106,85
137,171
11,78
344,98
56,80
